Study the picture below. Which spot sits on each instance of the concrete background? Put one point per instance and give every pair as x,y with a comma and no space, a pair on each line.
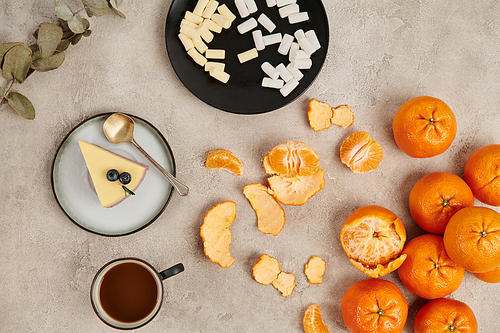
381,54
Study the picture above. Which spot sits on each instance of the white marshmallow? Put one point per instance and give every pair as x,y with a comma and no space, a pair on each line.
247,25
284,73
258,40
311,35
270,83
285,44
298,17
272,39
242,8
266,22
289,87
272,72
289,10
299,34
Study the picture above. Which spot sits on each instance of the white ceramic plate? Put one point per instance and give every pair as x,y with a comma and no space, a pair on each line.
73,187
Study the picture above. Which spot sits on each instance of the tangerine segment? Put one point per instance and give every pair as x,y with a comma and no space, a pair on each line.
266,269
373,238
374,305
285,283
270,215
361,153
224,159
314,270
436,197
482,173
312,321
424,127
320,115
445,315
296,190
428,271
472,239
293,159
492,276
216,235
342,116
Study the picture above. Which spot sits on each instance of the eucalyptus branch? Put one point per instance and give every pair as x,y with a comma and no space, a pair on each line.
18,60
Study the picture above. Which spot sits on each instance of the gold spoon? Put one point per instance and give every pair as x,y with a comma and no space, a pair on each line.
119,128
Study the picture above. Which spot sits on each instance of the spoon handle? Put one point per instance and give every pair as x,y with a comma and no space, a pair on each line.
181,188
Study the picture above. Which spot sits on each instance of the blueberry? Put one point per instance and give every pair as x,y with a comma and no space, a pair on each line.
112,175
125,178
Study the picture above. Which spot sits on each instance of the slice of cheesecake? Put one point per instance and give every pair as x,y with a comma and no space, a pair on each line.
99,161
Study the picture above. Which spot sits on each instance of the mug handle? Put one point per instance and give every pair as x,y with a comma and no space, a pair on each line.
176,269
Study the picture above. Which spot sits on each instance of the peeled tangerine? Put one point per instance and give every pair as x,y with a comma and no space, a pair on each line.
267,271
361,153
321,115
314,270
295,171
216,235
224,159
312,321
373,238
270,215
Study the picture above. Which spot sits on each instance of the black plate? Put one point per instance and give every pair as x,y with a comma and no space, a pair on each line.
243,93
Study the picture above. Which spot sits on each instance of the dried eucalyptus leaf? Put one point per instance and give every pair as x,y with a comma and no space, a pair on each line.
96,7
5,47
35,34
49,36
86,23
76,39
22,105
16,63
117,12
63,11
87,33
76,24
118,3
63,45
45,65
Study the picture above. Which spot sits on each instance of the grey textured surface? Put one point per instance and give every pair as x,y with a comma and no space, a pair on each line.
381,54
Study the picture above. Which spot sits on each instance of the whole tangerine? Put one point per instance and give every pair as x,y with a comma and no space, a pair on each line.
428,271
436,197
472,239
482,173
445,315
424,126
374,306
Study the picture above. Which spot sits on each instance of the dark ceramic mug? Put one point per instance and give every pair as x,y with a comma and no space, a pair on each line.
127,293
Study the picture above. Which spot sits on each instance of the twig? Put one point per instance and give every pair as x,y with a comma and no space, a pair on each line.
8,92
80,10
